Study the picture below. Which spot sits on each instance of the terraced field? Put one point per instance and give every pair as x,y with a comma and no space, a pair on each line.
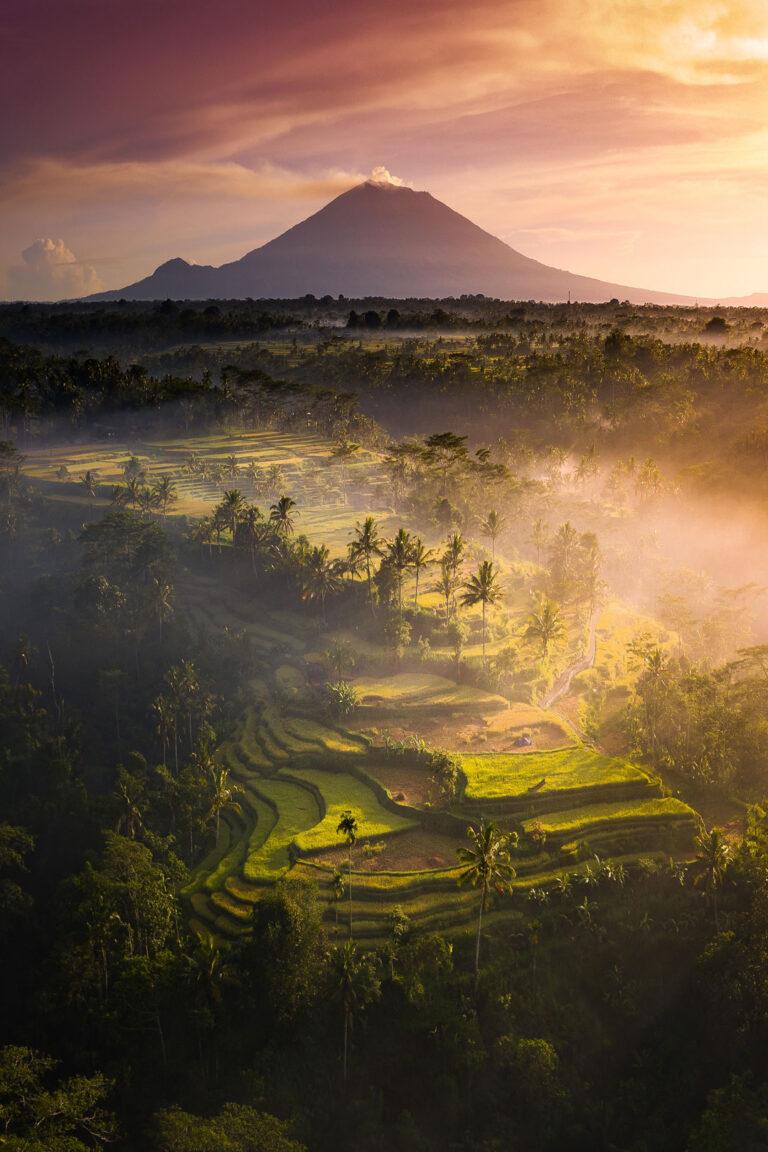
300,773
327,514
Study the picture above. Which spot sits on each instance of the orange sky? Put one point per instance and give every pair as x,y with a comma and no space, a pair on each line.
626,140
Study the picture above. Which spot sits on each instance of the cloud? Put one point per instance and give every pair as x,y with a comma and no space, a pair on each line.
50,271
381,175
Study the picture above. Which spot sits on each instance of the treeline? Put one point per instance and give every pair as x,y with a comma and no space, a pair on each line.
39,390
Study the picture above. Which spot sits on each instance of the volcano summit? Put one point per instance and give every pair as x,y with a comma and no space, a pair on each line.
381,239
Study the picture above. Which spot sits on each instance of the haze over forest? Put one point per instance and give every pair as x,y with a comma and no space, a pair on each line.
383,577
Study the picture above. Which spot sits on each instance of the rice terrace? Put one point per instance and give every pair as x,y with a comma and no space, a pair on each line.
295,767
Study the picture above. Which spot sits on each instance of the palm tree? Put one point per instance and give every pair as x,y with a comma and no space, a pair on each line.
338,886
222,794
341,453
421,558
320,576
252,528
712,860
493,526
445,586
453,556
275,478
539,537
90,484
232,506
147,501
487,863
162,602
400,556
347,827
280,516
483,588
231,468
545,624
165,491
132,490
364,547
357,983
130,796
163,711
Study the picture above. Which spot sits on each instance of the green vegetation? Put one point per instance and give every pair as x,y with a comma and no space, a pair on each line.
342,792
532,775
273,674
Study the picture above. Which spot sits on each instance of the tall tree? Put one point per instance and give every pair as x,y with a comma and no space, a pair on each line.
712,860
321,575
486,863
545,624
357,984
482,588
280,516
421,558
493,526
347,827
400,557
366,544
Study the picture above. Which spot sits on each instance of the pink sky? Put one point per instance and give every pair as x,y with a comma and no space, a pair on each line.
624,139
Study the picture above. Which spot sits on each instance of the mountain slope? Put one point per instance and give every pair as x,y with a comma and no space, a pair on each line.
381,240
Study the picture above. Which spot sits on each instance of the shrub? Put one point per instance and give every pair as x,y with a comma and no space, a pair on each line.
341,697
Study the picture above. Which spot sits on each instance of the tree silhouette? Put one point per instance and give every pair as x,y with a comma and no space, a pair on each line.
347,827
400,557
493,526
545,624
280,516
486,863
357,984
364,547
421,558
483,588
712,860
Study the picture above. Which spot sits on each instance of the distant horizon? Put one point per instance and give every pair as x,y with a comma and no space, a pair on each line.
616,142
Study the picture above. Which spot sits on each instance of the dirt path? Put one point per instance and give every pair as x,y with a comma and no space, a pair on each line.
563,682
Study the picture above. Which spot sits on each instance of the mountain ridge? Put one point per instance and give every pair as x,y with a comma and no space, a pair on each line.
382,240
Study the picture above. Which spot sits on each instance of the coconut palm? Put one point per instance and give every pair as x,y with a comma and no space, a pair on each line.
539,537
161,596
493,526
280,516
338,887
445,586
712,860
486,863
90,484
341,453
132,490
231,468
232,506
147,501
453,556
357,984
275,478
251,528
545,624
320,576
482,588
400,557
421,558
222,794
347,827
366,544
165,491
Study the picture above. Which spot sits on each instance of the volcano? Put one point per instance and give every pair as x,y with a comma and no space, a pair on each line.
381,239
